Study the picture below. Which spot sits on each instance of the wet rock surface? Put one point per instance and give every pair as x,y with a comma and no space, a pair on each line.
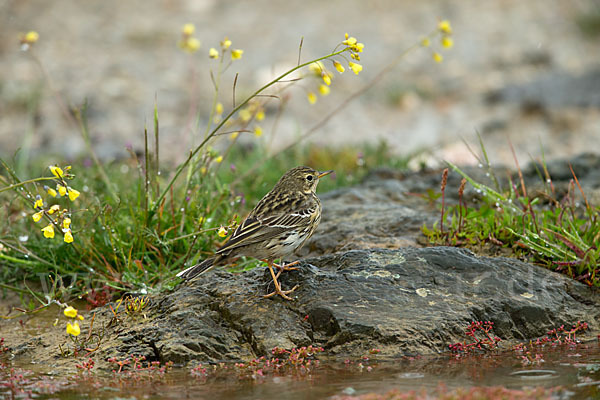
383,212
404,302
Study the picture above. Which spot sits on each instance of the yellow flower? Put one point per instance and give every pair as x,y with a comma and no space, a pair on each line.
50,191
56,171
219,108
245,115
326,78
355,56
225,43
201,221
61,190
340,68
312,98
67,223
234,135
425,42
447,42
236,54
222,232
356,68
48,231
39,203
191,45
258,131
260,115
203,170
324,90
31,37
73,329
37,216
219,159
68,237
350,41
358,47
317,68
70,312
213,53
53,209
73,194
444,26
437,57
188,29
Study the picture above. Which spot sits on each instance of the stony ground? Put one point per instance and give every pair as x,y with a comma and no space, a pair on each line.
121,55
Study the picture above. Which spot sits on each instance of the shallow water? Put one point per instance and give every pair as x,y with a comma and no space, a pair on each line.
575,368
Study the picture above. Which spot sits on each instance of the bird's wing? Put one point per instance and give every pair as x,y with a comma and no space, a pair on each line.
256,229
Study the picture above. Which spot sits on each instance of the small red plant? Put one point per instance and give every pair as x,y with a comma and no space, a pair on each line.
528,359
86,366
17,383
134,367
362,364
3,348
481,339
199,371
554,337
300,361
99,298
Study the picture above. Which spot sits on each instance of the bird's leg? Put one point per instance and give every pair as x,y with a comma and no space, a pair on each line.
285,267
282,293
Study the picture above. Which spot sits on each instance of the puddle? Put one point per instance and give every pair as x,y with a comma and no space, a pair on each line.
575,369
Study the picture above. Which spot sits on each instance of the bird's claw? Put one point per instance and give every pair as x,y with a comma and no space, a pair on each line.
282,293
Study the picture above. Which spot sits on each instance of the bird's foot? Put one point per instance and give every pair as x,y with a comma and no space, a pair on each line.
287,267
282,293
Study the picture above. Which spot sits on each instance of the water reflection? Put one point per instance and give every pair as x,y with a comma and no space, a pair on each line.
575,369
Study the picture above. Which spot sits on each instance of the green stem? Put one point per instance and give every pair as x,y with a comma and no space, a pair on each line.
190,235
13,186
231,113
16,260
14,289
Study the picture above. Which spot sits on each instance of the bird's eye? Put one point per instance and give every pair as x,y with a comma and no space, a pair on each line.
309,178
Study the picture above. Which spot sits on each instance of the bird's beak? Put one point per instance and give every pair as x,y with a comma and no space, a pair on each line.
322,174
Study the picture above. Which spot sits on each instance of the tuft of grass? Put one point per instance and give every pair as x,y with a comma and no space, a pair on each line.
558,232
115,250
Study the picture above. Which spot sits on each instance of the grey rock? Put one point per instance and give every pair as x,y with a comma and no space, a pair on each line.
377,214
402,302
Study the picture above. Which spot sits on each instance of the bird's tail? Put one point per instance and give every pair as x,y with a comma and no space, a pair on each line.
197,269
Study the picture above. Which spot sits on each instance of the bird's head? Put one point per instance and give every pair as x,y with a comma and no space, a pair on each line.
303,179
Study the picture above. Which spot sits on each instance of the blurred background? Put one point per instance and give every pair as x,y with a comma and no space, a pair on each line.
524,70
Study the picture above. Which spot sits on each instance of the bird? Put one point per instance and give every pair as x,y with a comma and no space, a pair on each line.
280,224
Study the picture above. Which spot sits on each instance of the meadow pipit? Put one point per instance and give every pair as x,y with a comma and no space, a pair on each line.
278,226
